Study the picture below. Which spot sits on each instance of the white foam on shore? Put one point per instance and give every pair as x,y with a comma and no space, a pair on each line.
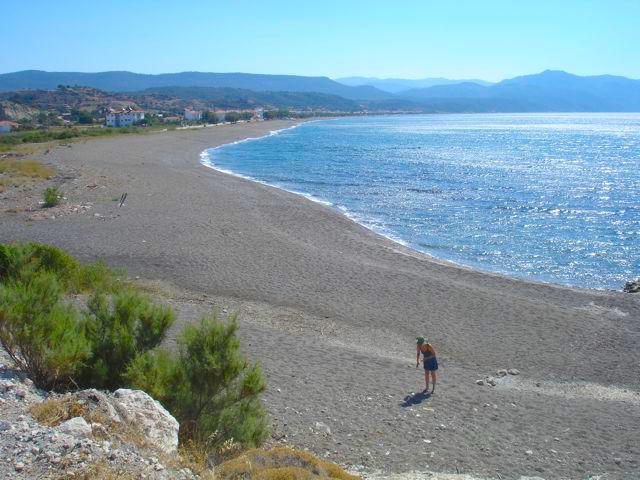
368,222
207,161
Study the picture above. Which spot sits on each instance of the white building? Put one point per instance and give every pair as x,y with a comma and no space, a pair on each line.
124,118
192,115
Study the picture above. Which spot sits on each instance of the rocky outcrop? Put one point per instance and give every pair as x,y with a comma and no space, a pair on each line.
76,427
148,415
125,433
16,112
632,286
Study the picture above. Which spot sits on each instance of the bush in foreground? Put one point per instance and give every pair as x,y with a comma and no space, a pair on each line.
19,262
112,343
58,345
119,329
42,334
208,386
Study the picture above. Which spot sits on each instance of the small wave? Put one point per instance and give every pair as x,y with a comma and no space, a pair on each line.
207,161
369,223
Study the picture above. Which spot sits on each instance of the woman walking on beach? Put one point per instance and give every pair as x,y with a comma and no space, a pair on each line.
429,360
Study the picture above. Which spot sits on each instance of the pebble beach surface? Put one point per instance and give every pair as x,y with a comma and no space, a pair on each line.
331,311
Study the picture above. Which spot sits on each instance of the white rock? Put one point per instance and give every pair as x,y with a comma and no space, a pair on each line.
148,415
324,427
76,427
501,373
513,371
529,452
480,382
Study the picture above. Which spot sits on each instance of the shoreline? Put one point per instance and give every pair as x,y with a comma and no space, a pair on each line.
331,310
207,162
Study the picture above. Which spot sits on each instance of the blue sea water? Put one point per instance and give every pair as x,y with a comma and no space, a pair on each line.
548,197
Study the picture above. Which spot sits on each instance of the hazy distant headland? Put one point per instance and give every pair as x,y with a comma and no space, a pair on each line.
549,91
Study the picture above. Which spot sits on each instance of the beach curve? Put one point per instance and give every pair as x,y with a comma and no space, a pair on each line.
337,307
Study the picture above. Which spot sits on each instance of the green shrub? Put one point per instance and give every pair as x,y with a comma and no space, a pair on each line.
52,196
12,260
21,261
58,345
119,329
41,333
208,385
112,342
95,276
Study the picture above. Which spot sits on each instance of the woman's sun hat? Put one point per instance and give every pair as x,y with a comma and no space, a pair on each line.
421,339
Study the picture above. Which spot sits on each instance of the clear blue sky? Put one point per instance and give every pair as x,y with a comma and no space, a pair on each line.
488,39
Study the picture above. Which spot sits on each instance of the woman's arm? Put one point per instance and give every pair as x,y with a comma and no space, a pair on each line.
417,355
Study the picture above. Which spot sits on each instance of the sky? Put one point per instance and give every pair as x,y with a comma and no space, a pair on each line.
490,40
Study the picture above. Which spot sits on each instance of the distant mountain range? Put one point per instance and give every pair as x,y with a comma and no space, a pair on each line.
398,85
132,82
549,91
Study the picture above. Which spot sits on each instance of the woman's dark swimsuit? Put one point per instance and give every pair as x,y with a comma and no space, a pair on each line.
430,364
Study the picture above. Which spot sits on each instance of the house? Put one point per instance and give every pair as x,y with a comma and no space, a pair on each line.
192,115
6,126
124,118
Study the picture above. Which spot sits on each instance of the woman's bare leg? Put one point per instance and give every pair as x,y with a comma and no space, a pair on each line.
426,380
433,381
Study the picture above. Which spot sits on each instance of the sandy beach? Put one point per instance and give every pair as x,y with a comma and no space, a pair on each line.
331,311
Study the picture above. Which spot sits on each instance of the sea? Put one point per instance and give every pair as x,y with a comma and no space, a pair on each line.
545,197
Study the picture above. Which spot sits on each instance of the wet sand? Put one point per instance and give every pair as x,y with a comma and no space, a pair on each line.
331,310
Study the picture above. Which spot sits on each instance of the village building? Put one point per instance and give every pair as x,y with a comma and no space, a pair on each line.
192,115
124,118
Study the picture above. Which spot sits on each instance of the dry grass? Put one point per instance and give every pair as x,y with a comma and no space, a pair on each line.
15,173
102,471
25,168
280,463
56,410
190,455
